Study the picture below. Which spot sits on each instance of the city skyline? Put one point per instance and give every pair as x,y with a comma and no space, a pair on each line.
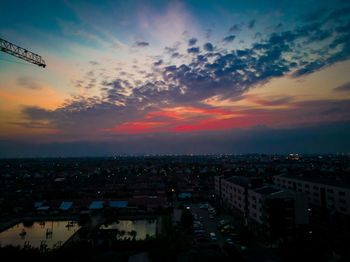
176,77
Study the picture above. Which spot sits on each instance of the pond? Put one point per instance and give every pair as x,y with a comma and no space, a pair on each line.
44,234
141,227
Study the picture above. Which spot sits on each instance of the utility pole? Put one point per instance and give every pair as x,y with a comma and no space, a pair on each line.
21,53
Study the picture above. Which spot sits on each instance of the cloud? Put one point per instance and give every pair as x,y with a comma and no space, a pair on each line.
229,38
141,44
343,88
189,79
94,63
193,50
236,28
29,83
208,33
158,63
251,24
208,47
192,41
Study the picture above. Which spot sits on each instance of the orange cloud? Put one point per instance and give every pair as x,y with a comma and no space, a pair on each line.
177,119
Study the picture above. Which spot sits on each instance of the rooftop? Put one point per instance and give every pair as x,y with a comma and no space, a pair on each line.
320,180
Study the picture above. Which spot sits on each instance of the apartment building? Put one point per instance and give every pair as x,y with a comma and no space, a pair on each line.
319,191
257,201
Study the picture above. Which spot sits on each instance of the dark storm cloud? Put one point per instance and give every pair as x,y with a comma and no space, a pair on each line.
343,88
229,38
192,41
141,44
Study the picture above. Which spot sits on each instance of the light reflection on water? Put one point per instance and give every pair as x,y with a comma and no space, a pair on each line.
51,233
142,228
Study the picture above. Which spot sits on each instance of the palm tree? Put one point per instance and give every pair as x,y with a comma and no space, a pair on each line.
121,233
133,234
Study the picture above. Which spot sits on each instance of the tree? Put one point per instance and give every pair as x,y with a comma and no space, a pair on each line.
187,218
133,234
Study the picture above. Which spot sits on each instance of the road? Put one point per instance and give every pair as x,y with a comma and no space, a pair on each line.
210,225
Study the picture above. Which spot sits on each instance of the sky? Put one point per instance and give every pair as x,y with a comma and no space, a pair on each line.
175,77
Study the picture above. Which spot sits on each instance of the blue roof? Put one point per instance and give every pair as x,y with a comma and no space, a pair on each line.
66,205
118,204
183,195
96,205
38,204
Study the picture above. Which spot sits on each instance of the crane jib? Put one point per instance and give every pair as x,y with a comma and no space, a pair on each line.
21,53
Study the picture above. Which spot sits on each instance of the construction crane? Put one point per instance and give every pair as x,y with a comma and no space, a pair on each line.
21,53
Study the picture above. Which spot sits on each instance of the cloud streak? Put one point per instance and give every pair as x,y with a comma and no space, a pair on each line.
167,91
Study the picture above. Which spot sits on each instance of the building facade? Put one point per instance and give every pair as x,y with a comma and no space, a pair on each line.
319,192
269,208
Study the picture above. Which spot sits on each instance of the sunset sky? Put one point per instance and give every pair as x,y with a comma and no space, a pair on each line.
134,77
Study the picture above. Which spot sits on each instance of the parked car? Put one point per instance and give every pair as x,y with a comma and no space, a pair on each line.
229,241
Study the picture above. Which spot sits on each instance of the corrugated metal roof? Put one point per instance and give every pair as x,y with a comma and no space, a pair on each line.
118,204
96,205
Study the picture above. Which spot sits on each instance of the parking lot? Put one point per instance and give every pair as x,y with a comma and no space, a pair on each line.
209,224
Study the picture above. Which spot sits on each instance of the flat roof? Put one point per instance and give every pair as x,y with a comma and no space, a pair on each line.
96,205
118,204
319,180
268,190
65,205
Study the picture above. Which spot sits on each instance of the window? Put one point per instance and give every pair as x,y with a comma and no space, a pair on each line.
341,193
307,186
330,191
343,209
316,187
343,201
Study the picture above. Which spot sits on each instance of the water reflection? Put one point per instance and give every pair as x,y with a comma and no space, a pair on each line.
127,228
44,234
